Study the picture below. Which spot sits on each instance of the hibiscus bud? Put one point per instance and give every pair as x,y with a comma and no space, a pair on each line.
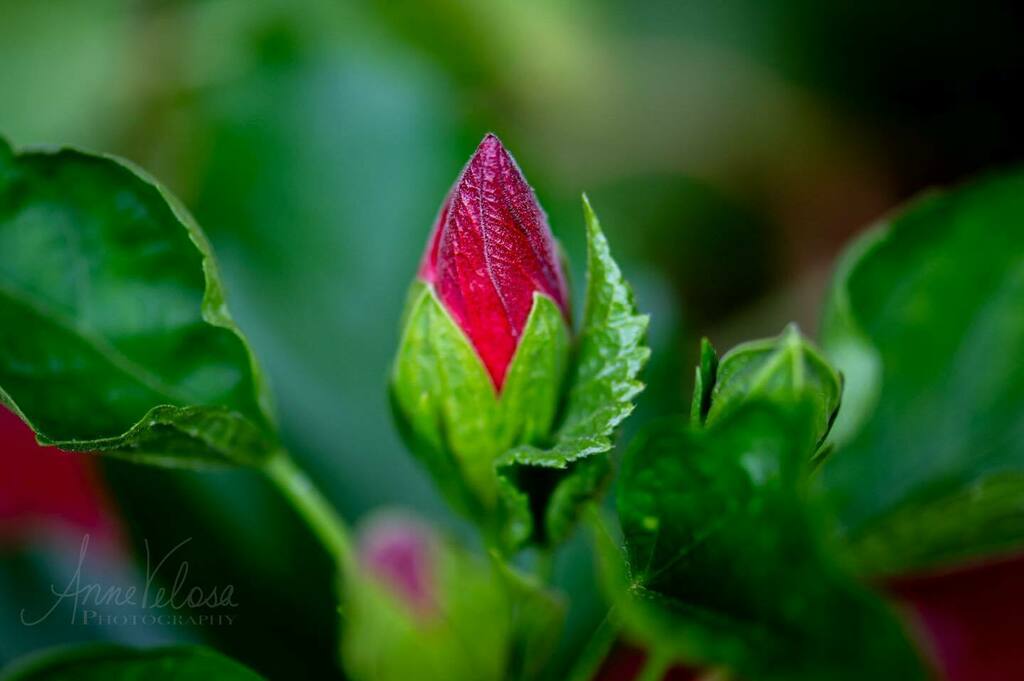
397,554
490,251
787,369
486,340
416,601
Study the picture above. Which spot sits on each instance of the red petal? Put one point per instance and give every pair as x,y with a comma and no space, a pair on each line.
490,252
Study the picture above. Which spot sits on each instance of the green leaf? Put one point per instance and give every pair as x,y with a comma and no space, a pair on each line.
119,337
115,663
602,385
703,383
926,321
727,565
786,369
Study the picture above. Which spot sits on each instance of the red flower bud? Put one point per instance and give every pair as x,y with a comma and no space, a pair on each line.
397,552
490,251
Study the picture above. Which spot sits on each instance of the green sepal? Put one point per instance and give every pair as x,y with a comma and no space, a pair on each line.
117,336
727,563
787,369
106,662
926,320
558,480
452,417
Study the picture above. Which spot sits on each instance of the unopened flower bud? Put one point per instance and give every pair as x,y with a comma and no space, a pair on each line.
485,346
787,368
397,553
415,602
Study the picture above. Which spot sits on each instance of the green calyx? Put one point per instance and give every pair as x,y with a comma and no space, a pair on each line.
449,412
524,462
786,369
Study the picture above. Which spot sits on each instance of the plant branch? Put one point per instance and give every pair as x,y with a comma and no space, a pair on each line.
318,513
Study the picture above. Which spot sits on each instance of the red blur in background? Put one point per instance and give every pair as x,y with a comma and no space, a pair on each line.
971,618
625,662
44,490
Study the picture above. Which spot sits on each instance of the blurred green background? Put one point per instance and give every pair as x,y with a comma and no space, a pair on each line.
730,148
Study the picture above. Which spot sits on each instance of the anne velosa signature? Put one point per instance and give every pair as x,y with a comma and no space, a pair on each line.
151,603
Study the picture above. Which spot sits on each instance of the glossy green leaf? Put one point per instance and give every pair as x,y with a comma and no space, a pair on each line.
602,385
926,321
452,417
727,565
117,335
786,369
114,663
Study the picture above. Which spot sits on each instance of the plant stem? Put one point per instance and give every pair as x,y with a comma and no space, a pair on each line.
597,649
655,666
314,509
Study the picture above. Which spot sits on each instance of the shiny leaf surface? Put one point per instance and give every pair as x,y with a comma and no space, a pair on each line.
926,320
117,336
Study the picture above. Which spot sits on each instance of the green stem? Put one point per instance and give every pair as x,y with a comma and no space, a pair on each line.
314,509
655,666
600,644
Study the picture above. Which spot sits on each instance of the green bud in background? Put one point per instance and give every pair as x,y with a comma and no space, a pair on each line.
784,370
420,608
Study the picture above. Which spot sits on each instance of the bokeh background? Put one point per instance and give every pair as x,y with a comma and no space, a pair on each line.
730,147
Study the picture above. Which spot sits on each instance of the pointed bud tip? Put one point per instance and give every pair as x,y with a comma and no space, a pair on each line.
491,141
492,156
491,249
396,551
